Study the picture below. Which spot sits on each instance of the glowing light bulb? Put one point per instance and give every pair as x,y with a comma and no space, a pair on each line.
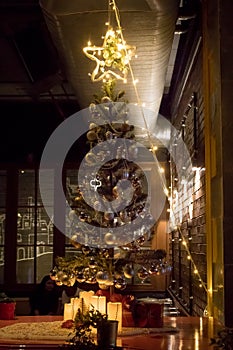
166,191
161,170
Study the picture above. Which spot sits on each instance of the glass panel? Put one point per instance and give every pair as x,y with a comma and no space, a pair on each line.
26,188
25,231
44,227
26,226
44,261
48,188
25,264
34,234
71,251
71,192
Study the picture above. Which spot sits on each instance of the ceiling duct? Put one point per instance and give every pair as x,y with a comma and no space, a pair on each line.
147,24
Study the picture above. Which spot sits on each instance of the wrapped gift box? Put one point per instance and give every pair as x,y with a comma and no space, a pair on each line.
148,313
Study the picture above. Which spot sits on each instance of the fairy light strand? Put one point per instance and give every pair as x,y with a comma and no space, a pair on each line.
125,48
202,283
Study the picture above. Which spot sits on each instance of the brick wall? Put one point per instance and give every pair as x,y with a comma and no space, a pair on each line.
188,230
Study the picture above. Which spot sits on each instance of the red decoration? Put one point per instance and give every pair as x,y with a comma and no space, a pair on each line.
148,315
116,298
7,311
68,324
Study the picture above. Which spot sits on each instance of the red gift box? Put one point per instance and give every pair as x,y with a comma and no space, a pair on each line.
148,314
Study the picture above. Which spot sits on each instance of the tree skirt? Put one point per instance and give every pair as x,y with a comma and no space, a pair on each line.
36,331
54,331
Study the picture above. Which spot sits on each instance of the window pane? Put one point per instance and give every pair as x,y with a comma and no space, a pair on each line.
26,230
34,232
44,227
25,262
71,251
25,266
44,261
71,192
26,188
47,178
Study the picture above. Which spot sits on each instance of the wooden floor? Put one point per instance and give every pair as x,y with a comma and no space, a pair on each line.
192,333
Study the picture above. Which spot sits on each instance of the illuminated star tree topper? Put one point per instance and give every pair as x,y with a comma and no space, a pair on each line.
113,57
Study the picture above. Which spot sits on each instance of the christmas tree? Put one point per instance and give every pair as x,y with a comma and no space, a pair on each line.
110,218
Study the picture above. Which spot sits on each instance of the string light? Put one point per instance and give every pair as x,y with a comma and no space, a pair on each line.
118,55
114,62
161,170
202,284
185,244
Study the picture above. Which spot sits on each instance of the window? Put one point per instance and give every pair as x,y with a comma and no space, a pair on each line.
29,242
34,231
26,231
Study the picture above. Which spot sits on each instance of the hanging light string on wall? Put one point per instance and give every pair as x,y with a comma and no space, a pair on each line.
174,201
185,243
202,284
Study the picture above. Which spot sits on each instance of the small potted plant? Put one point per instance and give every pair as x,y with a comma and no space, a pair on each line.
223,340
7,307
84,338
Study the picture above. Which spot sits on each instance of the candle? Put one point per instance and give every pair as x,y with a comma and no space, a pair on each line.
68,311
114,312
77,304
86,299
99,303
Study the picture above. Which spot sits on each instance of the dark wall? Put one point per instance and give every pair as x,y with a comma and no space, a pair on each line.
26,127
